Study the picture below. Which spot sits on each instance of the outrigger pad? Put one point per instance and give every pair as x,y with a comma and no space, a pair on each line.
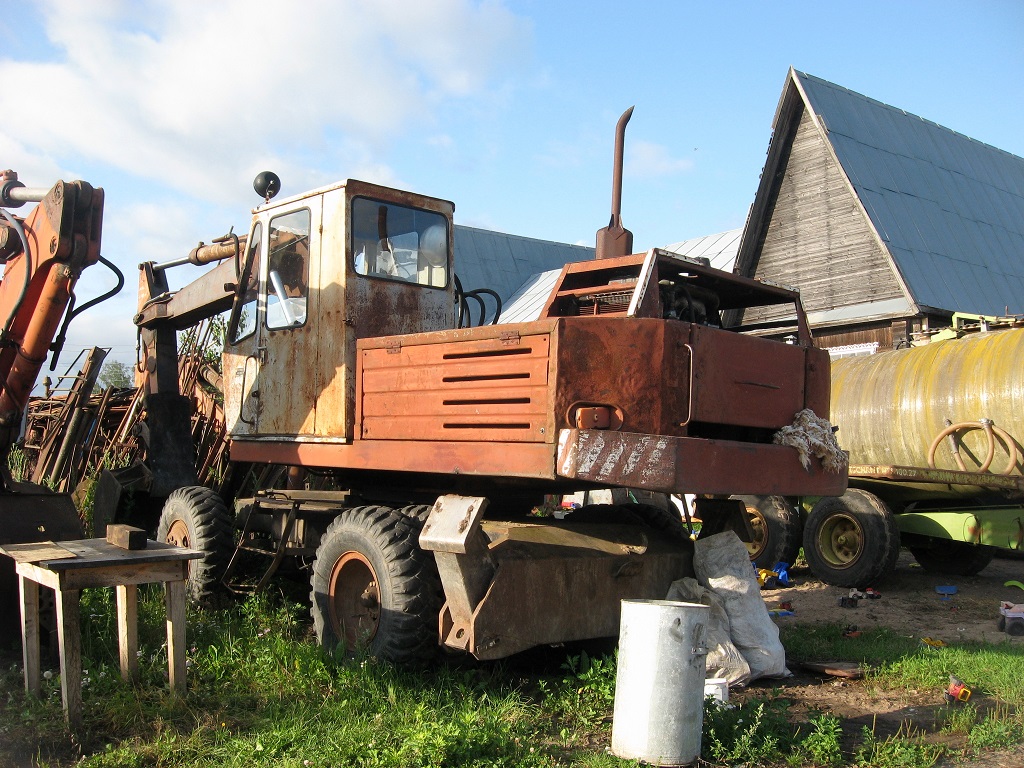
171,453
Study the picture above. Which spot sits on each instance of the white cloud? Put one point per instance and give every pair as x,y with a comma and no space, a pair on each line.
189,93
646,160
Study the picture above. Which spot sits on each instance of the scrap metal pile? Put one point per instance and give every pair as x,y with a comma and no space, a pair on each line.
79,428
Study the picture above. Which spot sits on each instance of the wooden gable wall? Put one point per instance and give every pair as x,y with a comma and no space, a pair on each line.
818,237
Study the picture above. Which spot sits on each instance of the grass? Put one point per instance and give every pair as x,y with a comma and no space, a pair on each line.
262,692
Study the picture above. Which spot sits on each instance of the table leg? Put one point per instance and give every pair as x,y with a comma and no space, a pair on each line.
176,634
69,633
128,629
30,634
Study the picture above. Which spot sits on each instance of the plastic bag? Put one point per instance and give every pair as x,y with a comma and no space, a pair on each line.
723,659
722,564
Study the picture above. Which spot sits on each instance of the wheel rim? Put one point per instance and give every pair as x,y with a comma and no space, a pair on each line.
353,598
757,544
841,541
177,534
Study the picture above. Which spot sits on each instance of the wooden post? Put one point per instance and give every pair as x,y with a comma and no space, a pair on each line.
70,634
176,634
128,629
30,634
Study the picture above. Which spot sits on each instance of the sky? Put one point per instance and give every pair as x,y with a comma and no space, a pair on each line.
505,107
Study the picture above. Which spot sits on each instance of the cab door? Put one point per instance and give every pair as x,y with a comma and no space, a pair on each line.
285,384
240,363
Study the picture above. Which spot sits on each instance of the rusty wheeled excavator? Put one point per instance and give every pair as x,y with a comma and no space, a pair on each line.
344,360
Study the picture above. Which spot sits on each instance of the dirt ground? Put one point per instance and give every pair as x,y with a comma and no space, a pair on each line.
910,605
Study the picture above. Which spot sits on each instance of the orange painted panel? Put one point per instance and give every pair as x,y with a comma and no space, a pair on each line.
467,389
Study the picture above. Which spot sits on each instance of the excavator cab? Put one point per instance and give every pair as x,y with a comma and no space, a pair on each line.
349,261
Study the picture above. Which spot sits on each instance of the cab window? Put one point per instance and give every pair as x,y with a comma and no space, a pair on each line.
396,242
247,317
288,270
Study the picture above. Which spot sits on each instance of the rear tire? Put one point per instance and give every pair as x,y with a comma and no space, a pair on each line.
374,589
952,558
195,517
851,540
777,530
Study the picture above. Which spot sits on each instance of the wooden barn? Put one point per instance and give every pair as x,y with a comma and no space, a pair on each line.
886,222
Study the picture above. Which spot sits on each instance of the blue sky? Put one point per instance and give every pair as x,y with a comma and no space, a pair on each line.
505,108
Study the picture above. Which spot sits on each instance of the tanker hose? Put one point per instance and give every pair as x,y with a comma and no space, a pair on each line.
991,432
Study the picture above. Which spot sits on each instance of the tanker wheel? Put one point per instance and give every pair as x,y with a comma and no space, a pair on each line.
777,530
373,589
851,540
195,517
952,558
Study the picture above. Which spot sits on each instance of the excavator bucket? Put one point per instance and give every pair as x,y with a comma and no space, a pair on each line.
31,513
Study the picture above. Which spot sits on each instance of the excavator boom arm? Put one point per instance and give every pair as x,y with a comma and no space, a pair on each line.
43,256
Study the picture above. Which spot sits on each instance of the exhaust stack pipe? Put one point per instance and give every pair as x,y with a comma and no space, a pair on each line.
615,239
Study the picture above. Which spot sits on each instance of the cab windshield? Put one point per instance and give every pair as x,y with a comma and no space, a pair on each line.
396,242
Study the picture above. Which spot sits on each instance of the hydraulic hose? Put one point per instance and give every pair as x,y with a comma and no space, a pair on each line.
16,226
72,313
991,431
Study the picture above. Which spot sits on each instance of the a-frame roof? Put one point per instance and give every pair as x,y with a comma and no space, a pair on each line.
946,211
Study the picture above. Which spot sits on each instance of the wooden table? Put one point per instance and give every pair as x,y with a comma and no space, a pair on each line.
67,567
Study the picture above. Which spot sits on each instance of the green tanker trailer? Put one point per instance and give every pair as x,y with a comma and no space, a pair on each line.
934,437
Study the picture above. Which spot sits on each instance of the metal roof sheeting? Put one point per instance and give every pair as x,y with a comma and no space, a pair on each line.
949,209
485,259
529,300
720,249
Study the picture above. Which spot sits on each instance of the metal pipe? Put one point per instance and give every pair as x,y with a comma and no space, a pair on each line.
14,194
616,240
204,254
14,197
620,141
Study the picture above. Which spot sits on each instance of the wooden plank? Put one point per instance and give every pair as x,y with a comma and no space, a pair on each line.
126,536
175,600
94,553
124,573
69,632
850,670
38,574
36,552
30,634
128,629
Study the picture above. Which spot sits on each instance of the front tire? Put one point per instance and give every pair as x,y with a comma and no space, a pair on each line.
374,589
195,517
851,540
777,530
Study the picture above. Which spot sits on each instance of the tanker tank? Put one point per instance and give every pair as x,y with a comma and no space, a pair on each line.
891,407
